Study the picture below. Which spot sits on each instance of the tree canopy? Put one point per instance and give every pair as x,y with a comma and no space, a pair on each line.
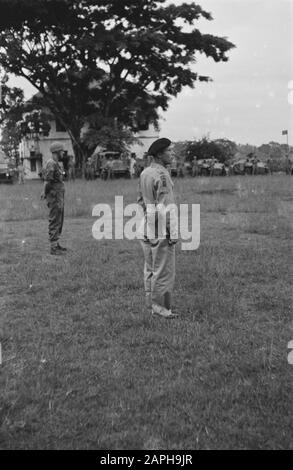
13,13
11,109
19,119
111,59
222,149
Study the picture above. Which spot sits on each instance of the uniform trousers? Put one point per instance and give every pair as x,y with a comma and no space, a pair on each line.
55,202
159,271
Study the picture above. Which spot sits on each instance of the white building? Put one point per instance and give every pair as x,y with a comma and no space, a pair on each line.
146,138
35,153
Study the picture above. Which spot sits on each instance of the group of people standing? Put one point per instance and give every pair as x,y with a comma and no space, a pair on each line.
155,190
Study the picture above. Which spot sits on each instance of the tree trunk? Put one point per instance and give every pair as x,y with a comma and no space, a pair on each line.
80,152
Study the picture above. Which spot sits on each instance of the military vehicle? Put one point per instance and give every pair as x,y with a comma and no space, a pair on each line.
248,167
203,167
188,166
174,167
114,165
241,167
261,169
140,165
7,174
218,169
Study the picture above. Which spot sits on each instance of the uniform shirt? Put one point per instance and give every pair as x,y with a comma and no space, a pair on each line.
20,169
155,193
53,175
132,164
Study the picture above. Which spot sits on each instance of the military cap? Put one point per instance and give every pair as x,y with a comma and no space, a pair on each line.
56,147
158,146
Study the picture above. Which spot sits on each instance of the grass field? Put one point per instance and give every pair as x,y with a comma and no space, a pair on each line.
86,367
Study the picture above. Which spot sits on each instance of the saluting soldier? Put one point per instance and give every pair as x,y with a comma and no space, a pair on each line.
156,191
54,194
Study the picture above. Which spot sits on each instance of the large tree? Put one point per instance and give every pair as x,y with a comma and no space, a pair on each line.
112,59
19,119
13,13
11,110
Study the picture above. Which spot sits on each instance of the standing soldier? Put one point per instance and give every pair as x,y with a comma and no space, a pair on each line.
132,164
54,194
108,168
212,166
248,166
195,168
270,165
87,169
71,168
156,192
288,165
255,161
91,169
21,172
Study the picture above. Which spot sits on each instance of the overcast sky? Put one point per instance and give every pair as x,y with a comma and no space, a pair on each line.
248,98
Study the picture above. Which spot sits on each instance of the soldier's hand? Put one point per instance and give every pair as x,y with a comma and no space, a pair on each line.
43,196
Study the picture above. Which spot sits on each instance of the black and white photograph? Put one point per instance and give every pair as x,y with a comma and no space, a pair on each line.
146,227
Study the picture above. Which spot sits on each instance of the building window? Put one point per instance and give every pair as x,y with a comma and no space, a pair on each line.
33,164
59,126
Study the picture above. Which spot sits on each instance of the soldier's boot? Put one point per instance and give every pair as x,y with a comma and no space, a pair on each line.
163,312
56,251
61,248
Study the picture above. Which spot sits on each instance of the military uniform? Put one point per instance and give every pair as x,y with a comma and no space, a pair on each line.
194,167
21,173
71,169
212,166
156,189
55,190
254,165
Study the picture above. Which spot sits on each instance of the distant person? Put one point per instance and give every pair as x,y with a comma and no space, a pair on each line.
288,165
88,170
54,194
92,169
248,166
180,169
109,167
21,172
270,165
195,167
71,168
156,189
212,166
132,165
255,161
98,165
